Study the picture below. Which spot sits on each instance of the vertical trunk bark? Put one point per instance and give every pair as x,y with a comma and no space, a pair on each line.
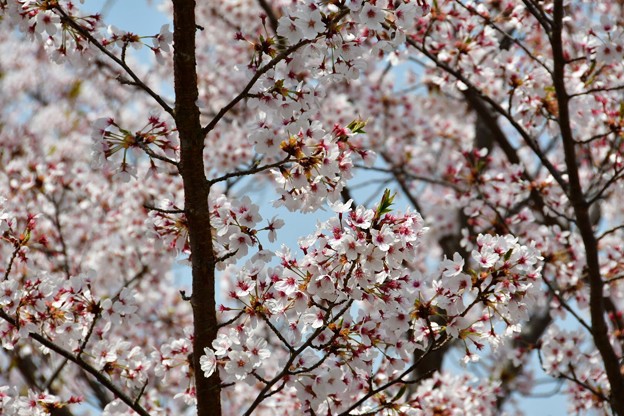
583,221
195,201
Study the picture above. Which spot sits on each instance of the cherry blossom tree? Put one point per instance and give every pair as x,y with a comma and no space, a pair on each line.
498,123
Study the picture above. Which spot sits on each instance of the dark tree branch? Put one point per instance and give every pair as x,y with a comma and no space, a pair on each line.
539,14
600,330
16,250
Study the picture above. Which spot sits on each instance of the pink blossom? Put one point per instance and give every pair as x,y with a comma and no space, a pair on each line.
208,362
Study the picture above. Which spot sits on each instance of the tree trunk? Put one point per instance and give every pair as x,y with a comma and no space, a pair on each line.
195,201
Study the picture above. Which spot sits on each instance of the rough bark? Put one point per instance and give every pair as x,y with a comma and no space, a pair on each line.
195,201
600,330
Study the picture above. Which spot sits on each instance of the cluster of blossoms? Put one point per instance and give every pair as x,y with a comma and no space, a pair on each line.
112,141
604,41
309,20
454,395
65,313
242,353
47,304
333,45
564,354
504,285
321,166
36,404
235,227
68,34
352,299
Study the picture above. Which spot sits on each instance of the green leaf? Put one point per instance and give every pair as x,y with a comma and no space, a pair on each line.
74,90
357,126
508,254
400,393
386,202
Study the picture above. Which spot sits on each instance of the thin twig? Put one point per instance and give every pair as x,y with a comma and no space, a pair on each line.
600,89
618,175
614,279
539,14
565,305
11,260
610,231
65,18
261,71
244,93
396,380
155,155
293,355
163,211
398,171
249,171
278,333
231,321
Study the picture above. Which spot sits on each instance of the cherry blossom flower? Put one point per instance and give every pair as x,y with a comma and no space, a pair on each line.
452,267
289,30
239,364
208,362
309,23
372,16
164,39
